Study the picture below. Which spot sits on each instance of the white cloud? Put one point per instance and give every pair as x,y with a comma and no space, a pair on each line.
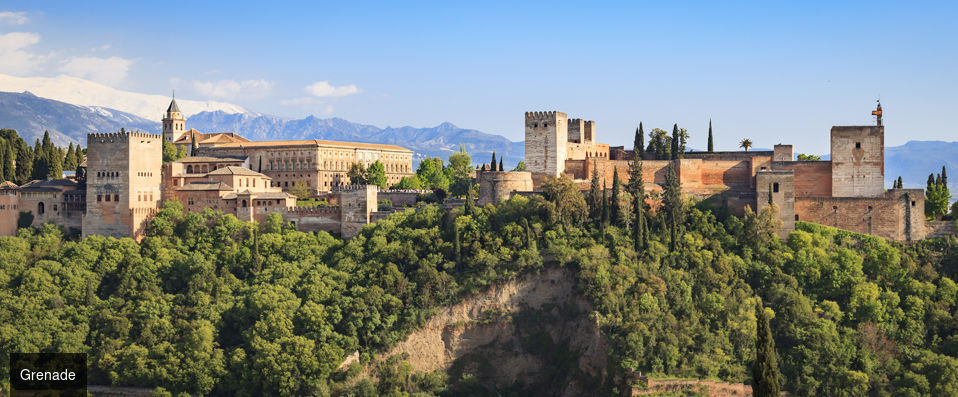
15,58
14,18
109,71
323,89
233,89
310,103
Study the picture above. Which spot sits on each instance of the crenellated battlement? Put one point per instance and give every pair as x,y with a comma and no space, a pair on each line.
544,116
110,137
317,210
350,188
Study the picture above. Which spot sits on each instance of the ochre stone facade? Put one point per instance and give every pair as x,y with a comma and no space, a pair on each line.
846,192
495,186
123,183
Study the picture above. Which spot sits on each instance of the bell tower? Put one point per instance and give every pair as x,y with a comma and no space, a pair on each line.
174,125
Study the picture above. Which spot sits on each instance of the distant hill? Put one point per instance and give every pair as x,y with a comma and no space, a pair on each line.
437,141
30,115
916,159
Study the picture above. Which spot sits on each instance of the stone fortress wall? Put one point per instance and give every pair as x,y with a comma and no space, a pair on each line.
846,192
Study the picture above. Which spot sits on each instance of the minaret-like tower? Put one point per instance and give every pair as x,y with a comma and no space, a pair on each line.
174,125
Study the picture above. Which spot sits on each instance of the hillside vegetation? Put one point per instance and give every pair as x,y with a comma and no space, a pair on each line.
212,305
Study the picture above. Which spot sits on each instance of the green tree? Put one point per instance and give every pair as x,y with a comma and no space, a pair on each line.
711,147
430,172
408,183
69,160
376,174
765,374
79,156
501,169
636,188
300,191
944,176
492,165
357,174
803,156
675,153
745,144
615,211
460,172
672,204
605,206
659,144
520,167
170,152
564,195
595,208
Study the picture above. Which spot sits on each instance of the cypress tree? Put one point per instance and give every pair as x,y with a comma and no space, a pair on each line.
770,200
640,141
24,169
944,176
614,210
3,160
260,165
636,188
492,165
674,153
765,374
900,185
457,244
56,164
193,144
594,210
931,180
69,159
605,206
500,165
672,203
79,156
938,180
711,144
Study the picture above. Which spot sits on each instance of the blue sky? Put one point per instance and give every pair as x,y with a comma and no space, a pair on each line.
770,71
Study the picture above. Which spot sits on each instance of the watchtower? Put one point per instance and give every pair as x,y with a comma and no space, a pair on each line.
123,183
858,161
546,136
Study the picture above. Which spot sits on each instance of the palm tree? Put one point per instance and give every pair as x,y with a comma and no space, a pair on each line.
746,143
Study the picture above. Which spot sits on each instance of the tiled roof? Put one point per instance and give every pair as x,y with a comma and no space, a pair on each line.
173,107
201,186
207,159
232,170
7,185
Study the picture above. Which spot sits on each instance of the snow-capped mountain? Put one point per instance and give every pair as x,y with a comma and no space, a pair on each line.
77,91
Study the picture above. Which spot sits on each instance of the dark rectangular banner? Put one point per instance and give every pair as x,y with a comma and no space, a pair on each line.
48,374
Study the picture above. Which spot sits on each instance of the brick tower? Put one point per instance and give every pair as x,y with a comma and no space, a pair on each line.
174,125
547,134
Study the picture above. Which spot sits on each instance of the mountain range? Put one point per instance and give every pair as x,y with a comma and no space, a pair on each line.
31,115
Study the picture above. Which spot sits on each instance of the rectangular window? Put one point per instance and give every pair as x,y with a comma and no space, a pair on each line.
107,197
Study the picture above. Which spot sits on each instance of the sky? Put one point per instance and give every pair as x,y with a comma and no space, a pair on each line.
771,71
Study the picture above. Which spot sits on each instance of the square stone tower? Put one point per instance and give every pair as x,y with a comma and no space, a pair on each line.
858,161
357,203
123,183
547,134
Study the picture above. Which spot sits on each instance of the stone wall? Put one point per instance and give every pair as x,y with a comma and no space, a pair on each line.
357,203
9,212
127,168
400,198
897,215
858,161
781,185
314,219
545,142
812,178
497,186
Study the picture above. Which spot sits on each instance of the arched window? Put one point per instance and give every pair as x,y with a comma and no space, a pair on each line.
775,187
189,169
40,209
244,203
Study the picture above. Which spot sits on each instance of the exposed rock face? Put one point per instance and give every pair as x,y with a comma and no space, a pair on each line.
534,334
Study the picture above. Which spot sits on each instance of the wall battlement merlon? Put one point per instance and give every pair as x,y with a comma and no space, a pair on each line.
545,115
105,137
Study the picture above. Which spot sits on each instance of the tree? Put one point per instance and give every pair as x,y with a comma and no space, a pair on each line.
937,196
193,144
765,374
805,157
638,146
500,165
24,168
898,183
430,173
673,206
745,144
614,207
460,172
357,174
659,144
595,209
492,165
376,174
408,183
711,143
520,167
69,160
170,152
944,176
300,191
605,205
675,153
570,208
636,188
79,156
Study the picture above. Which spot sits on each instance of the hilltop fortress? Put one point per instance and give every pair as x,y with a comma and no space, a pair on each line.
846,192
123,182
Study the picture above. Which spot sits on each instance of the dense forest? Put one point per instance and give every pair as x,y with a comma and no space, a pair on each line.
208,304
19,163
